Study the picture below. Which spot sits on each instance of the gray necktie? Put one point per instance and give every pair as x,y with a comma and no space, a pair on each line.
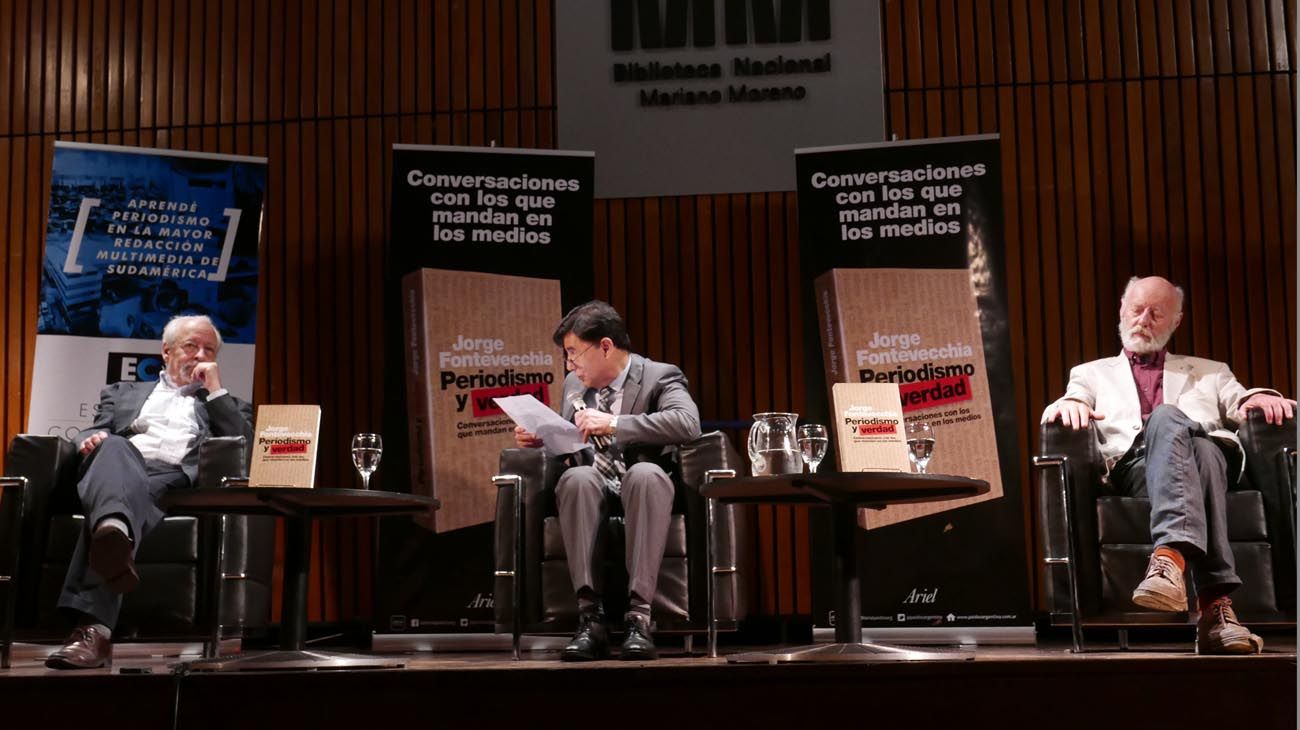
606,462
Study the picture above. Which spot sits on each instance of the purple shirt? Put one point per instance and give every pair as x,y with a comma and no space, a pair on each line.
1149,376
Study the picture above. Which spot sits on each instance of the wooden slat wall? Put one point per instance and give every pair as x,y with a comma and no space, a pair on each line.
1137,137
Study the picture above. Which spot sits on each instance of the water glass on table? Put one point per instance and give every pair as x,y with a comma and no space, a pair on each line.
920,444
367,450
812,445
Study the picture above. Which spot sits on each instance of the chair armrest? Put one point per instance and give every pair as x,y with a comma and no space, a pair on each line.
221,456
713,450
538,475
248,553
1270,470
733,535
1085,467
50,465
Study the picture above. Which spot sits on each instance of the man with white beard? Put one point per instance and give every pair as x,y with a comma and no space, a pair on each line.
1164,424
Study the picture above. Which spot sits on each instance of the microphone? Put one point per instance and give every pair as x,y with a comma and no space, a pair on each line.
600,442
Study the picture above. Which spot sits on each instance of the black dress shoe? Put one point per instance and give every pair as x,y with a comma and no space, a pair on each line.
110,557
590,642
637,644
87,648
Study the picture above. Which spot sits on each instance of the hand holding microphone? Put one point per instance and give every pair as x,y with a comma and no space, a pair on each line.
600,442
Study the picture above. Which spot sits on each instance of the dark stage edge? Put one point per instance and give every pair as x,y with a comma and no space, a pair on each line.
1004,687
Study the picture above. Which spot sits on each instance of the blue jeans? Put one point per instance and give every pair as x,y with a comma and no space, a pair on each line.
1184,473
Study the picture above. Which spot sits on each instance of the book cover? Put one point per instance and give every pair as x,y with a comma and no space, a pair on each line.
918,330
285,440
869,433
472,337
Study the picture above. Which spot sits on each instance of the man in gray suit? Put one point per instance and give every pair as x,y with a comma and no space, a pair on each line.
634,411
143,442
1163,423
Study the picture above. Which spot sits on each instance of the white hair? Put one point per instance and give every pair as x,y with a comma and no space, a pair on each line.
175,324
1178,294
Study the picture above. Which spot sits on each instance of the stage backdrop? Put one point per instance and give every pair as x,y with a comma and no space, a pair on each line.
134,237
514,212
933,209
682,97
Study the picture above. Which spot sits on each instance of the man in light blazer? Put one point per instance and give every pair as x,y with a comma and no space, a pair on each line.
635,411
143,442
1164,425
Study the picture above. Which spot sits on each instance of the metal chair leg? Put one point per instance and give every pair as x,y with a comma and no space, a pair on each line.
517,560
710,591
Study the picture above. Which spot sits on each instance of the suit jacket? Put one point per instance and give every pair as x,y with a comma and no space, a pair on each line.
657,412
1205,390
120,404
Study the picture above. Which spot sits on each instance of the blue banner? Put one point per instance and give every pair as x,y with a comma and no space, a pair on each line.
135,237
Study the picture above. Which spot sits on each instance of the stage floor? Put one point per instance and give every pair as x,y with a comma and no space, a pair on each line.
1149,685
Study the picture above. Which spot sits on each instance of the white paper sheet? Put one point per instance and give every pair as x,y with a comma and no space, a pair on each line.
559,437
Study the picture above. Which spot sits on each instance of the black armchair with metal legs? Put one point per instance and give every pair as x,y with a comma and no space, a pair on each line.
1095,545
533,590
199,576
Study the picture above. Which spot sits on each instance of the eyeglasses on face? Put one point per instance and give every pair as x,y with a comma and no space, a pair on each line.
572,357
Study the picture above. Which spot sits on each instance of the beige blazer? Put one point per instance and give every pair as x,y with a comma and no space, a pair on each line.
1205,390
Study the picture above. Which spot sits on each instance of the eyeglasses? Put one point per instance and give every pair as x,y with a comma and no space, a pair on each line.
190,348
572,358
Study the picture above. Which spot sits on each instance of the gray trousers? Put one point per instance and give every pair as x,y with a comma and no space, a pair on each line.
114,480
1185,475
584,502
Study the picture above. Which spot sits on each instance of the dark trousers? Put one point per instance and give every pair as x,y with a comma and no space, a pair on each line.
1184,473
583,502
114,479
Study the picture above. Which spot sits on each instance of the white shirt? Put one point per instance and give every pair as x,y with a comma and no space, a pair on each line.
617,386
167,424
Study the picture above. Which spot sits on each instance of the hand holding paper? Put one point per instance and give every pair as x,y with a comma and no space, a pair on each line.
558,436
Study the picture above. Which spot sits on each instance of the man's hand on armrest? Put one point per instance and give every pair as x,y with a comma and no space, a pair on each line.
1072,413
526,440
1276,408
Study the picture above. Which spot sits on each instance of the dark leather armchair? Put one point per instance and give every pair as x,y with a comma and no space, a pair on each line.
187,564
545,598
1103,541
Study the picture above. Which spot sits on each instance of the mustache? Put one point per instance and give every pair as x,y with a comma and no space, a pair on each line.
1138,329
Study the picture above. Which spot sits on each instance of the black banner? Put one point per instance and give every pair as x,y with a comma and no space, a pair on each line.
924,204
493,210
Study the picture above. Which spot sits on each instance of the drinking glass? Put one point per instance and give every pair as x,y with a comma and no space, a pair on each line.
920,444
367,449
812,444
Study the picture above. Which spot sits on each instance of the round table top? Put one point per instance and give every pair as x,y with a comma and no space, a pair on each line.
293,501
867,488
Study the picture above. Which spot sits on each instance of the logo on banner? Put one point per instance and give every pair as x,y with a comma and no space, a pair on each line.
133,367
660,29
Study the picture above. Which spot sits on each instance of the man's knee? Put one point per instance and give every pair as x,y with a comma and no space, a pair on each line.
646,475
577,479
1165,415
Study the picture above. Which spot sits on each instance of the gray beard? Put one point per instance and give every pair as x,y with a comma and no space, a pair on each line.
1141,347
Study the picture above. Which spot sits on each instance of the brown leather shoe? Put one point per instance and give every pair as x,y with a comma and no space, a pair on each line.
1163,588
1219,632
110,557
87,648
